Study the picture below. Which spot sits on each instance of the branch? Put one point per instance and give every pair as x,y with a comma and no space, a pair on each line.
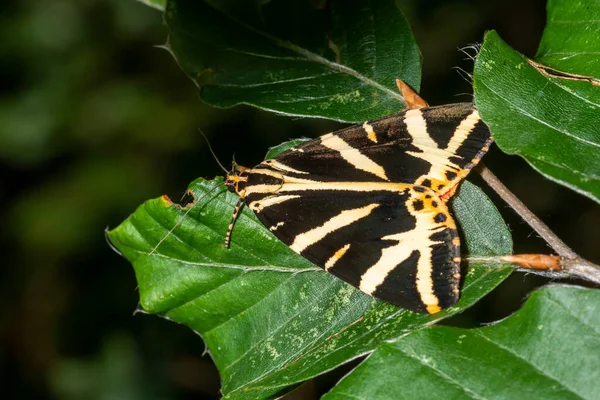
567,264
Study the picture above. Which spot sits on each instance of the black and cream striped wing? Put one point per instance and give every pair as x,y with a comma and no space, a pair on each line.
433,147
367,203
393,241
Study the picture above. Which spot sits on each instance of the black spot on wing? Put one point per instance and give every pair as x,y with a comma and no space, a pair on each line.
400,285
418,205
440,217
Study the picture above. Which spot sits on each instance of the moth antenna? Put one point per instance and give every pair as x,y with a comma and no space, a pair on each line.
212,152
464,74
236,212
471,95
180,221
475,47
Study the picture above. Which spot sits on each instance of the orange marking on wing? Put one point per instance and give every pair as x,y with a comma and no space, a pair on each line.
433,309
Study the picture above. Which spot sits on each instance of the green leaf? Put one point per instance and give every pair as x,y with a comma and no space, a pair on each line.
547,350
550,121
270,318
158,4
276,150
338,62
570,42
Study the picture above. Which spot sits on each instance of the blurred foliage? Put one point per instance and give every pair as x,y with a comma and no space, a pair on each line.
94,119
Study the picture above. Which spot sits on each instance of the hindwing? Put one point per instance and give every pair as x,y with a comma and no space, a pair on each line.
396,242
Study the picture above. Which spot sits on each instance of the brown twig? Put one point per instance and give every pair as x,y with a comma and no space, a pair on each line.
581,268
571,264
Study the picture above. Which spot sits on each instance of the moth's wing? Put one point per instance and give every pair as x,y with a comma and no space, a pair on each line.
433,147
401,247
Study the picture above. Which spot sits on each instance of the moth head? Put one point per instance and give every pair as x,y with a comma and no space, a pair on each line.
235,180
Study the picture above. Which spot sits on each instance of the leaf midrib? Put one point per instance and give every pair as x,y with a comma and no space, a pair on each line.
534,367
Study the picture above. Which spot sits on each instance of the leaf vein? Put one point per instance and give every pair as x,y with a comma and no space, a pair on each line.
273,332
262,84
385,320
572,314
523,112
440,373
529,362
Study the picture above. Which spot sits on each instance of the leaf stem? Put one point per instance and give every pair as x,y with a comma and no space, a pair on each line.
581,268
572,265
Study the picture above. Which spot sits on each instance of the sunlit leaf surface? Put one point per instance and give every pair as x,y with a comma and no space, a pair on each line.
547,350
541,111
570,41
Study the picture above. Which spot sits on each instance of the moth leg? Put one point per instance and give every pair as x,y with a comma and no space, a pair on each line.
446,196
412,99
236,212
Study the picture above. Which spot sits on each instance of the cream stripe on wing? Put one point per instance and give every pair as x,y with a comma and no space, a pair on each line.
416,239
430,152
276,226
336,256
462,131
295,184
390,258
282,167
345,218
262,188
264,171
261,204
353,156
371,135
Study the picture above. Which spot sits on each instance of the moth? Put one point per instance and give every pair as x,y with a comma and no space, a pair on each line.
368,203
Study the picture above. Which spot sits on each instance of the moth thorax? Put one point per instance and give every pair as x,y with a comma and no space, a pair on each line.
236,182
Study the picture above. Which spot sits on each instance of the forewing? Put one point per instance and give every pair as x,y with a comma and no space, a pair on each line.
433,147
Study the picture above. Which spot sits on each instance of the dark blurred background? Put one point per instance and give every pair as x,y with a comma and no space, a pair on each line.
94,120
